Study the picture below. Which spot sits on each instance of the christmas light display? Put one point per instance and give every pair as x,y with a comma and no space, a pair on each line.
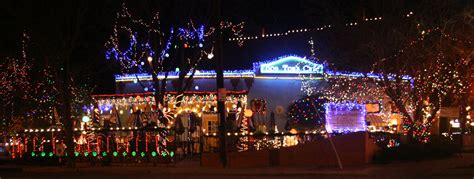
153,52
29,92
243,141
344,89
307,113
15,85
146,39
435,76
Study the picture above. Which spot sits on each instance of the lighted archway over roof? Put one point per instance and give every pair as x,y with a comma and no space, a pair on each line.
291,65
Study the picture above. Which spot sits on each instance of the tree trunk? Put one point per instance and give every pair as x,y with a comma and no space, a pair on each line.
462,114
409,138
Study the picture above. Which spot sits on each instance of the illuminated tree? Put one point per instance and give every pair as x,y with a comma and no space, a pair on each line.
15,86
31,92
28,91
307,113
419,67
341,87
159,50
344,89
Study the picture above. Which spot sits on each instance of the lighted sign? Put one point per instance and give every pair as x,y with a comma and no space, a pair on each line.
345,117
291,65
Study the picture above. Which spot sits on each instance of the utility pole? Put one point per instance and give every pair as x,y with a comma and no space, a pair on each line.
221,96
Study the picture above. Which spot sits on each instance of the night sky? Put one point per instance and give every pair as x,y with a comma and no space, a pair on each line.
43,20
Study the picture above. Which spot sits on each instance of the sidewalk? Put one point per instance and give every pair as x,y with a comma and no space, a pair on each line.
457,166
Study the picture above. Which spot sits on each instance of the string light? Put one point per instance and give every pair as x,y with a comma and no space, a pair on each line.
242,38
334,109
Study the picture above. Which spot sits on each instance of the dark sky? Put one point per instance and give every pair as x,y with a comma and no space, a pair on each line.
341,46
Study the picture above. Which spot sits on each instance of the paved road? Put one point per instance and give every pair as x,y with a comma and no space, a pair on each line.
454,167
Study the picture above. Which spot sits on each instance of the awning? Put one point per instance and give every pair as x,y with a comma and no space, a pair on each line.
375,120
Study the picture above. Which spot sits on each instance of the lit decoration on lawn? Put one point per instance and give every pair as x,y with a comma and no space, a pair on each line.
290,140
345,117
289,65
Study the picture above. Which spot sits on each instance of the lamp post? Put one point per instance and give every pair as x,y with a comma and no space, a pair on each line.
220,86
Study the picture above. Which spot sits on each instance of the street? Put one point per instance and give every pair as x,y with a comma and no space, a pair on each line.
459,166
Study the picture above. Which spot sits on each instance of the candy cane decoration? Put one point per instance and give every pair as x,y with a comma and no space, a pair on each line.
156,143
108,141
128,144
42,143
26,144
20,151
136,143
34,143
53,144
147,138
88,144
98,143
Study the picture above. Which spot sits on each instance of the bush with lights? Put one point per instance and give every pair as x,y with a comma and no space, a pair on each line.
307,113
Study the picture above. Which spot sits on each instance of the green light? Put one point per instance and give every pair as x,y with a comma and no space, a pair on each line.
153,154
171,153
94,154
124,154
104,154
43,154
142,154
76,153
86,154
115,154
50,154
134,153
163,154
33,154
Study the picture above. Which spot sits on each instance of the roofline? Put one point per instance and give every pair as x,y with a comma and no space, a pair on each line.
241,92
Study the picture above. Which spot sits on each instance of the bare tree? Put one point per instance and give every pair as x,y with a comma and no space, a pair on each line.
160,51
420,68
150,48
57,35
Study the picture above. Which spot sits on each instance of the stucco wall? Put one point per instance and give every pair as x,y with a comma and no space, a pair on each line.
276,93
353,149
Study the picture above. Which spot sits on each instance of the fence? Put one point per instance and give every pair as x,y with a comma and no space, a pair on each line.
121,145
